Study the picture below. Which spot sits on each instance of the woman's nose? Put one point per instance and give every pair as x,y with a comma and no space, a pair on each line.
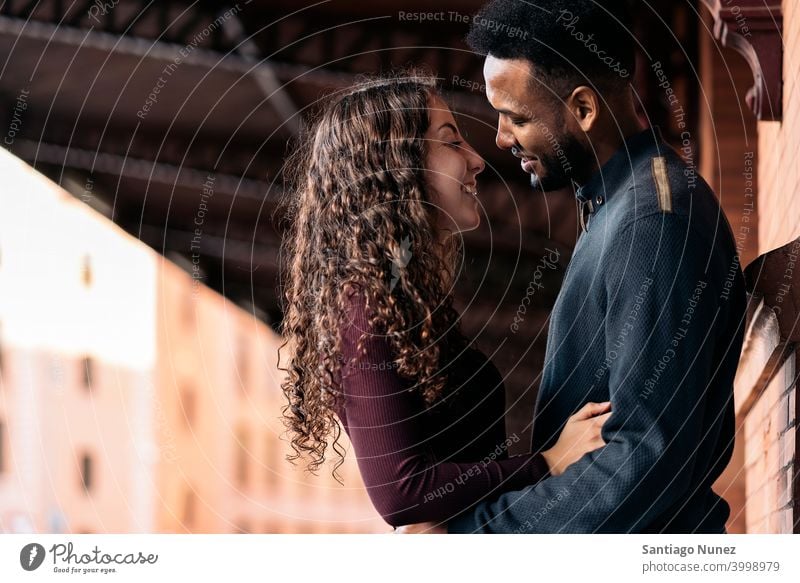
476,162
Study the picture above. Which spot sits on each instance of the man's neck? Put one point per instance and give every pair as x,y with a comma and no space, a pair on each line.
628,126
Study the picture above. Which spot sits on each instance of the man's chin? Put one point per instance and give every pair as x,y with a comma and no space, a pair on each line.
549,183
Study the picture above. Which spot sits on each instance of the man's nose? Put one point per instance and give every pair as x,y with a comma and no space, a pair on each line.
504,139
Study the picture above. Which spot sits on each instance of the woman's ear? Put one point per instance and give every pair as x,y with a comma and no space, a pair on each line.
584,105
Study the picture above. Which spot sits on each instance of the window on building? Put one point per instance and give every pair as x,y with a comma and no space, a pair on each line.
189,509
86,271
188,309
188,406
242,363
87,366
87,473
272,460
242,438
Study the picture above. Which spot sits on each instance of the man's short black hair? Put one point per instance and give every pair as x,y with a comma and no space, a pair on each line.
569,42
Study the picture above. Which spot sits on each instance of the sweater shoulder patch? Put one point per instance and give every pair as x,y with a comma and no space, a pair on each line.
661,179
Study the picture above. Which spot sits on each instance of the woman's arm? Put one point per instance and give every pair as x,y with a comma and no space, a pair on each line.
386,425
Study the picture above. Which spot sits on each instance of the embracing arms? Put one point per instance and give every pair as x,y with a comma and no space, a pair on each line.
387,427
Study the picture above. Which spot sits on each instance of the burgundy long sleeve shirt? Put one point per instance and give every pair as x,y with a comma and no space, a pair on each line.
423,463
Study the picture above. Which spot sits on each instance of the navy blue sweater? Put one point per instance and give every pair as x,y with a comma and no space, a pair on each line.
651,317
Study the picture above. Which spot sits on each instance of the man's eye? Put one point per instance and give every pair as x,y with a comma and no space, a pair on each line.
519,122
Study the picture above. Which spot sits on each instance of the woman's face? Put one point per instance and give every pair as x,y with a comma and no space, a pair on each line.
451,168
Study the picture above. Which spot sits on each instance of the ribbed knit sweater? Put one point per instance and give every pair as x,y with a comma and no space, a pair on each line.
651,317
423,463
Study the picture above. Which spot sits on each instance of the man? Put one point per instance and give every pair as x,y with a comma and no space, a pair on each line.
651,312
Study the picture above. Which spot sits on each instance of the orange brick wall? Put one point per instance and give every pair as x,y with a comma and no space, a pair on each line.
759,482
769,451
771,444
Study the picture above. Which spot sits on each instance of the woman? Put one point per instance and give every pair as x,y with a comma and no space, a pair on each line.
384,184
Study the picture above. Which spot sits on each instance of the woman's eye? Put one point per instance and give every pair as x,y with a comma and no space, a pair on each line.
456,144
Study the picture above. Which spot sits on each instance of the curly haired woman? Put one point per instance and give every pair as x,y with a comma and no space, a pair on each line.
384,183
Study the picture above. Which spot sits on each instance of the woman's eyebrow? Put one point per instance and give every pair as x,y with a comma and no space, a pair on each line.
448,125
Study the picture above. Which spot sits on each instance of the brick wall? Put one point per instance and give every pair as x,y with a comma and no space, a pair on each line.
761,483
766,381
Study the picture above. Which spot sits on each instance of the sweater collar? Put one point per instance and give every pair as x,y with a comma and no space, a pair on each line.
616,173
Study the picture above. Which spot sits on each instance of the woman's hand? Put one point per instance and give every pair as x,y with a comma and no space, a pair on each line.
580,435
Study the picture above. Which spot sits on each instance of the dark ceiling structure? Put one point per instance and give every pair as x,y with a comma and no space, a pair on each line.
163,114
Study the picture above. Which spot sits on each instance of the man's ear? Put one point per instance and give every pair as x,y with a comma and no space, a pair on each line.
584,105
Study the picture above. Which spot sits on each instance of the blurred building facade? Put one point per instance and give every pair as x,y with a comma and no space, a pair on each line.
132,397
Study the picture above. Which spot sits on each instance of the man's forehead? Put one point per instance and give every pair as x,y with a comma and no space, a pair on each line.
506,70
507,84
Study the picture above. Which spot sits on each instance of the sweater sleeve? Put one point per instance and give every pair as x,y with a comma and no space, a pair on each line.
657,387
386,424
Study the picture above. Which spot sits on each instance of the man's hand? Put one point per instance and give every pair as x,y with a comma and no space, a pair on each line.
422,528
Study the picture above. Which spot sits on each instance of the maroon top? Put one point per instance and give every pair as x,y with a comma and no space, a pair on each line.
427,464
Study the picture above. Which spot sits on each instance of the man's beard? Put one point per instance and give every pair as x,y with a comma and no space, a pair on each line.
574,164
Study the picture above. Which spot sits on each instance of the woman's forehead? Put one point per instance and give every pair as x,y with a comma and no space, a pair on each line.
440,113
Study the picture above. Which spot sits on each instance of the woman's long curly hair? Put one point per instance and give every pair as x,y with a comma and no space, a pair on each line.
362,217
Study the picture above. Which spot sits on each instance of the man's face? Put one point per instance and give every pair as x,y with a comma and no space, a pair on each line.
532,125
